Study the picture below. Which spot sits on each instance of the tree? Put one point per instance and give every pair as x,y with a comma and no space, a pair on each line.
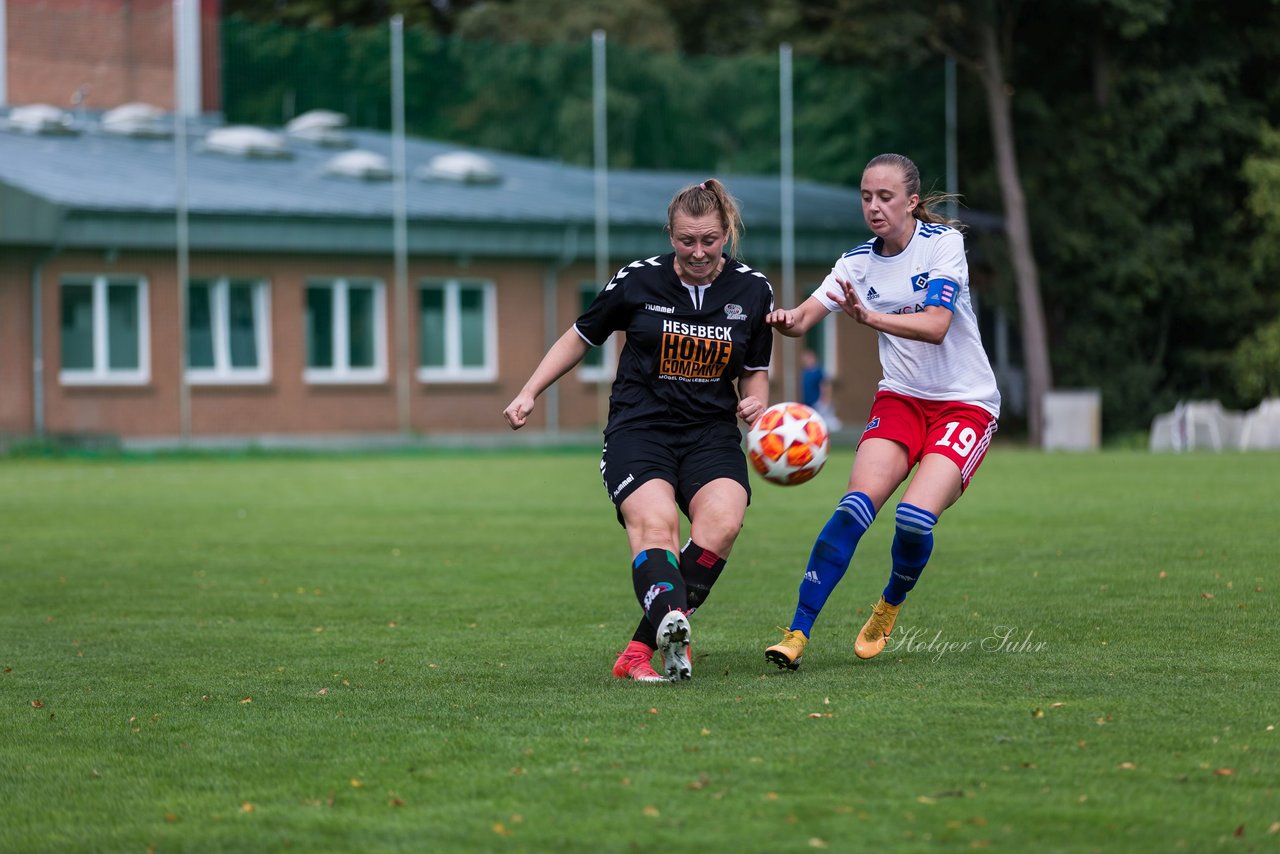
439,16
1135,134
1255,364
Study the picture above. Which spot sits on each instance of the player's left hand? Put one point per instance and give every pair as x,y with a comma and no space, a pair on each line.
849,303
749,408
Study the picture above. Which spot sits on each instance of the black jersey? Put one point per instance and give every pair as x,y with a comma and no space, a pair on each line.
686,344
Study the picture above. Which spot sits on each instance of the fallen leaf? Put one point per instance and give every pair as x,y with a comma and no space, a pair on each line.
705,731
1224,772
700,783
815,842
1206,595
356,784
323,692
1274,828
1056,705
517,771
925,799
170,817
651,811
1239,831
246,807
500,829
37,704
771,796
653,711
819,714
1127,766
1037,712
246,700
396,802
1163,574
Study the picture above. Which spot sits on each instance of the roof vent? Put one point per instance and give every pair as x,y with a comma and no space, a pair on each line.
247,141
136,120
42,119
322,127
461,167
367,165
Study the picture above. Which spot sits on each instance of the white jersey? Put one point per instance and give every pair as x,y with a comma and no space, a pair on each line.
958,368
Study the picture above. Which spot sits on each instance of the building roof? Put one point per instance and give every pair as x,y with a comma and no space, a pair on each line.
98,189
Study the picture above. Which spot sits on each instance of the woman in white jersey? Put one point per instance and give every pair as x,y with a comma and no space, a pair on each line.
935,410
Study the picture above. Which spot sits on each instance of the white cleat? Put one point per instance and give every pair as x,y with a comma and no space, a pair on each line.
673,643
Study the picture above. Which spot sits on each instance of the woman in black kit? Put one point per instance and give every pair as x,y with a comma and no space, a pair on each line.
696,357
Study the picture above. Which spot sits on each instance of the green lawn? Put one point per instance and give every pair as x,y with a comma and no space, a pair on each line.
362,653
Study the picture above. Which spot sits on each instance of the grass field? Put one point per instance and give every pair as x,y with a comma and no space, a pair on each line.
412,652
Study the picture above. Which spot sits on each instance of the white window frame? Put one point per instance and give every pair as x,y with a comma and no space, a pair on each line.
602,373
342,372
100,373
453,370
222,372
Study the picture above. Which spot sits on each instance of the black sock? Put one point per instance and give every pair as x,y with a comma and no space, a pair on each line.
700,568
659,587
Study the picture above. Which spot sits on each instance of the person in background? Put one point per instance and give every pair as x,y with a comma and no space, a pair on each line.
696,358
815,388
935,409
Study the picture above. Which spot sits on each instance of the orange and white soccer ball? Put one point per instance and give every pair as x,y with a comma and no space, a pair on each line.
788,443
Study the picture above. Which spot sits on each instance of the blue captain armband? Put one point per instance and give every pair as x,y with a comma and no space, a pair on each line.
942,292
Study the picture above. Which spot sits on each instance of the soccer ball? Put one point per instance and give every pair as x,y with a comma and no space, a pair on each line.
788,443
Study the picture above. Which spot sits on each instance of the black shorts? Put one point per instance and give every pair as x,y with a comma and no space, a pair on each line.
686,459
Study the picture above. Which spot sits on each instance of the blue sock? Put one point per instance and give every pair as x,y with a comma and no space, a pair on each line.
831,555
912,545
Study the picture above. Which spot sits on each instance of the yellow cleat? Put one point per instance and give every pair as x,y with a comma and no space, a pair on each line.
871,640
788,652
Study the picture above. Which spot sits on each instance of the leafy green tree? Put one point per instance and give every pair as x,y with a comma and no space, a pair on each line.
1255,364
1137,131
436,15
638,23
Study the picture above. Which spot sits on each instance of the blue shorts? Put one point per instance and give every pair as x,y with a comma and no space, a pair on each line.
686,459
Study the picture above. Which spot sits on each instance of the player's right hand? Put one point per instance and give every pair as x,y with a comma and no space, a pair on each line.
518,411
781,319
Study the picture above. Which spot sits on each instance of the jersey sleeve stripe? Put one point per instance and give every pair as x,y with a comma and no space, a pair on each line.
585,338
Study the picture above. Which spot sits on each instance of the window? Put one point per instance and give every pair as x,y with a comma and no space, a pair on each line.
457,331
227,331
346,331
597,365
104,323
